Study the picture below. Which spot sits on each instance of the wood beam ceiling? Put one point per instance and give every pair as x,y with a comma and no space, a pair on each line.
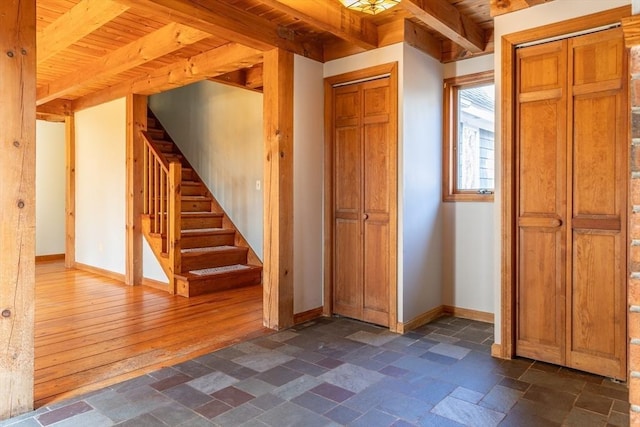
81,20
500,7
168,39
445,18
228,22
247,78
330,16
209,64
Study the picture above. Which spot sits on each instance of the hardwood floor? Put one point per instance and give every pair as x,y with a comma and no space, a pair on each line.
93,331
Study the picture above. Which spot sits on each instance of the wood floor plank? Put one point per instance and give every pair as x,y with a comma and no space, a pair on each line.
93,331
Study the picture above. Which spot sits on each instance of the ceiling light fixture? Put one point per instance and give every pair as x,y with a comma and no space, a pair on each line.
369,6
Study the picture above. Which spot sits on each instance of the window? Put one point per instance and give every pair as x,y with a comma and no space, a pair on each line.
469,154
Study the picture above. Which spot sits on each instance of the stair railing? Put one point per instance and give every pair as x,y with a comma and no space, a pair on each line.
162,202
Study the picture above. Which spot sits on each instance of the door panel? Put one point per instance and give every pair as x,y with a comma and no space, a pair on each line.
541,163
364,175
571,192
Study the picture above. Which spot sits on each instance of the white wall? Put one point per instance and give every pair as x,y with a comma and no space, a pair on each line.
219,130
421,177
50,188
100,186
547,13
308,176
469,232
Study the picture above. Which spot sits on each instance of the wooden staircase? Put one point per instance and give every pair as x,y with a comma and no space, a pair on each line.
197,245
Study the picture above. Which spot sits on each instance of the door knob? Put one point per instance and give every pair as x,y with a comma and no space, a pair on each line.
365,216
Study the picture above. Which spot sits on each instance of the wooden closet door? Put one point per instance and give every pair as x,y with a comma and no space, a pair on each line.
541,183
596,327
364,173
571,191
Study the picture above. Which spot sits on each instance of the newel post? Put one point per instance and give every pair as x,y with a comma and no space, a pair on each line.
631,28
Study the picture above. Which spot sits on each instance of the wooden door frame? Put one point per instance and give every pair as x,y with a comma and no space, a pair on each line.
506,349
329,82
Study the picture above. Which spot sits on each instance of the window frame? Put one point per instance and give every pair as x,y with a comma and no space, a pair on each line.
451,87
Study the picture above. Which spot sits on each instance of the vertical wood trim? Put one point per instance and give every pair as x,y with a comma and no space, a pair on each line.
17,204
278,189
507,180
136,123
70,193
329,82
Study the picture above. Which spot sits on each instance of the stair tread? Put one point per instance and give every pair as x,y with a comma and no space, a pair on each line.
209,249
214,230
202,213
219,271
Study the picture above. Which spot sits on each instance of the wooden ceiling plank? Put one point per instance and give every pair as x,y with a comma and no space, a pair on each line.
80,20
154,45
501,7
209,64
330,16
223,20
445,18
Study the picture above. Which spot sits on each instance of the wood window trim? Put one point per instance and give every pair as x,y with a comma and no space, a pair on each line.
506,348
450,109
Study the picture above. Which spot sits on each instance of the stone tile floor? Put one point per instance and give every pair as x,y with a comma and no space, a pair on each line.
333,372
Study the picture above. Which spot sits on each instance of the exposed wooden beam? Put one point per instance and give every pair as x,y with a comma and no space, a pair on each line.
247,78
225,21
445,18
403,30
278,190
59,107
82,19
154,45
453,52
209,64
500,7
17,204
332,17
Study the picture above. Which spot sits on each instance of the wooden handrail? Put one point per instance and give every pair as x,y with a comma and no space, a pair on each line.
162,202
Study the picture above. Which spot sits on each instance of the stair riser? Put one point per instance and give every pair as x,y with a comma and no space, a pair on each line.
188,175
193,190
207,241
210,260
199,206
194,223
156,133
199,287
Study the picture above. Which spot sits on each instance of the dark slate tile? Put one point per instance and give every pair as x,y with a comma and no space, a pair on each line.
433,420
527,413
432,391
515,384
333,392
255,386
438,358
545,367
611,392
134,383
387,356
193,369
163,373
402,423
278,376
404,407
580,418
512,368
617,419
305,367
292,415
342,415
242,373
393,371
467,413
171,382
473,335
233,396
238,416
594,403
64,413
188,396
621,406
550,397
314,402
173,414
144,420
501,399
374,418
329,363
267,401
553,381
212,409
267,343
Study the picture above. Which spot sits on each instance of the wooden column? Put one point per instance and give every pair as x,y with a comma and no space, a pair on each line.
70,193
136,122
631,27
17,203
278,189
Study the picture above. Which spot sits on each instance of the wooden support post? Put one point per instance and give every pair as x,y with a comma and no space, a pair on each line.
175,213
17,204
136,123
70,193
278,189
